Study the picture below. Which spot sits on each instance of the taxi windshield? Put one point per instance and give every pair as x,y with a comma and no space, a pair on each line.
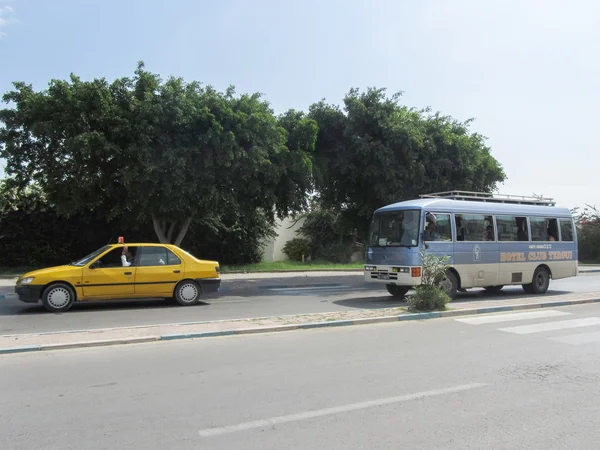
83,261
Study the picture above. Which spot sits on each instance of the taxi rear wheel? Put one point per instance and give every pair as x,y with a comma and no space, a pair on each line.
58,297
188,293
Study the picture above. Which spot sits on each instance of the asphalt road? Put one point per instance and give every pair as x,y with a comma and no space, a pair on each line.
526,380
337,294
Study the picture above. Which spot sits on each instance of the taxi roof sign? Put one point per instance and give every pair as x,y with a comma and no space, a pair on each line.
121,240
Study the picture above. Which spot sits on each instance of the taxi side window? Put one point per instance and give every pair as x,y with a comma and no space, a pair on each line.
158,256
113,258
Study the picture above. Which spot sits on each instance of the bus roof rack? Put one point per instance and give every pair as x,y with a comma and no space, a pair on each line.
492,198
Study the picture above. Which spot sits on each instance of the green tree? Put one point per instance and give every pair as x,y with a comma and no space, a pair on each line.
146,149
376,151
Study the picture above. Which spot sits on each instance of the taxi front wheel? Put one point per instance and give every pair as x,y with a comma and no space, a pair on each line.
188,293
58,297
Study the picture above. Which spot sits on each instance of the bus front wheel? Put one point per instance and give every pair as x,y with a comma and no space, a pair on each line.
450,284
397,291
540,283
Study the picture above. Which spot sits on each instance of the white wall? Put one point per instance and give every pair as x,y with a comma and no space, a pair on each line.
274,249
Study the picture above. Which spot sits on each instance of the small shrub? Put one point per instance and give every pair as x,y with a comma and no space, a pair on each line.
295,248
434,269
428,296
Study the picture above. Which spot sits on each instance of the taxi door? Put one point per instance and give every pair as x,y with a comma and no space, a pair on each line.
158,272
107,278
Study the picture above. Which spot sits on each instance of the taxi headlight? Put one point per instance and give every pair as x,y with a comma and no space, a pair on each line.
26,280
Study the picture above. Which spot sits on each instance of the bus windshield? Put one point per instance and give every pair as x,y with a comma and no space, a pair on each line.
395,229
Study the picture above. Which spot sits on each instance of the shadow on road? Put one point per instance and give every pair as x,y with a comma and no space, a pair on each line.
479,295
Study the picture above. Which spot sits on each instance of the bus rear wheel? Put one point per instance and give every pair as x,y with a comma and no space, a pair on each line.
397,291
540,283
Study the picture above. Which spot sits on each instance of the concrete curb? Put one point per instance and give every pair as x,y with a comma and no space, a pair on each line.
304,326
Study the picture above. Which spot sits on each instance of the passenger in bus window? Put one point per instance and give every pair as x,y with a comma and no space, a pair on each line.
430,234
551,236
522,234
489,233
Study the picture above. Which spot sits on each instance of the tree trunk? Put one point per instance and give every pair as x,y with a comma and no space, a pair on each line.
158,229
164,230
170,233
183,231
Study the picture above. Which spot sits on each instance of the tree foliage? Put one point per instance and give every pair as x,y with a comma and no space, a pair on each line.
588,234
150,158
152,150
375,151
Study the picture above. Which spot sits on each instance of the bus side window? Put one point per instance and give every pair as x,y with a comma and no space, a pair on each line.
437,227
474,228
512,229
566,230
543,229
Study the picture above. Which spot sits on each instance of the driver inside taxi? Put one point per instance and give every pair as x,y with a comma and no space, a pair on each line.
126,257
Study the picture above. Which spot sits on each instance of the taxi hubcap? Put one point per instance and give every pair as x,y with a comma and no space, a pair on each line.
188,292
59,297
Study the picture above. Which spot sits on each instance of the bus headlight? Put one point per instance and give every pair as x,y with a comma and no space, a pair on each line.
370,268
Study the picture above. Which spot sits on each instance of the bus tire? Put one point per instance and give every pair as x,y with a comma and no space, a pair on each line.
494,288
541,281
450,284
397,291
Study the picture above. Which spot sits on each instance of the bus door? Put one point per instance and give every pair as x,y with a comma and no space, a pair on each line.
437,235
476,250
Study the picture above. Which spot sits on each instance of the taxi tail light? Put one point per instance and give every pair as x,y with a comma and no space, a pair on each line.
415,272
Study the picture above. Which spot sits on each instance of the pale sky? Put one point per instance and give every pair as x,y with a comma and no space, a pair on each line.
528,71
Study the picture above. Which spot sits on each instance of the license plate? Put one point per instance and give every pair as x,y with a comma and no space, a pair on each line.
384,276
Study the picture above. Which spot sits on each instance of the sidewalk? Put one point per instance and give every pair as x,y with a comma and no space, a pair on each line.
18,343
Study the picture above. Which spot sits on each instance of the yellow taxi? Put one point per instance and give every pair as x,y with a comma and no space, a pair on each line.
121,271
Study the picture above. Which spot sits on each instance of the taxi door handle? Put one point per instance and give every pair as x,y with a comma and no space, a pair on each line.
177,271
128,273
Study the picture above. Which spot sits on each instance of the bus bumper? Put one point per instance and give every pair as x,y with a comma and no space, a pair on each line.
398,275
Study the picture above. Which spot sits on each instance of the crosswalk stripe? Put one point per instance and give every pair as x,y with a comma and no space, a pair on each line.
579,339
496,318
552,326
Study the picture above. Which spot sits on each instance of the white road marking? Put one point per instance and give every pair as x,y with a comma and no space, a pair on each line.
208,432
496,318
579,339
551,326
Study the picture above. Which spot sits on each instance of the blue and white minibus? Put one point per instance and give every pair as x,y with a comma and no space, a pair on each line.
491,240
